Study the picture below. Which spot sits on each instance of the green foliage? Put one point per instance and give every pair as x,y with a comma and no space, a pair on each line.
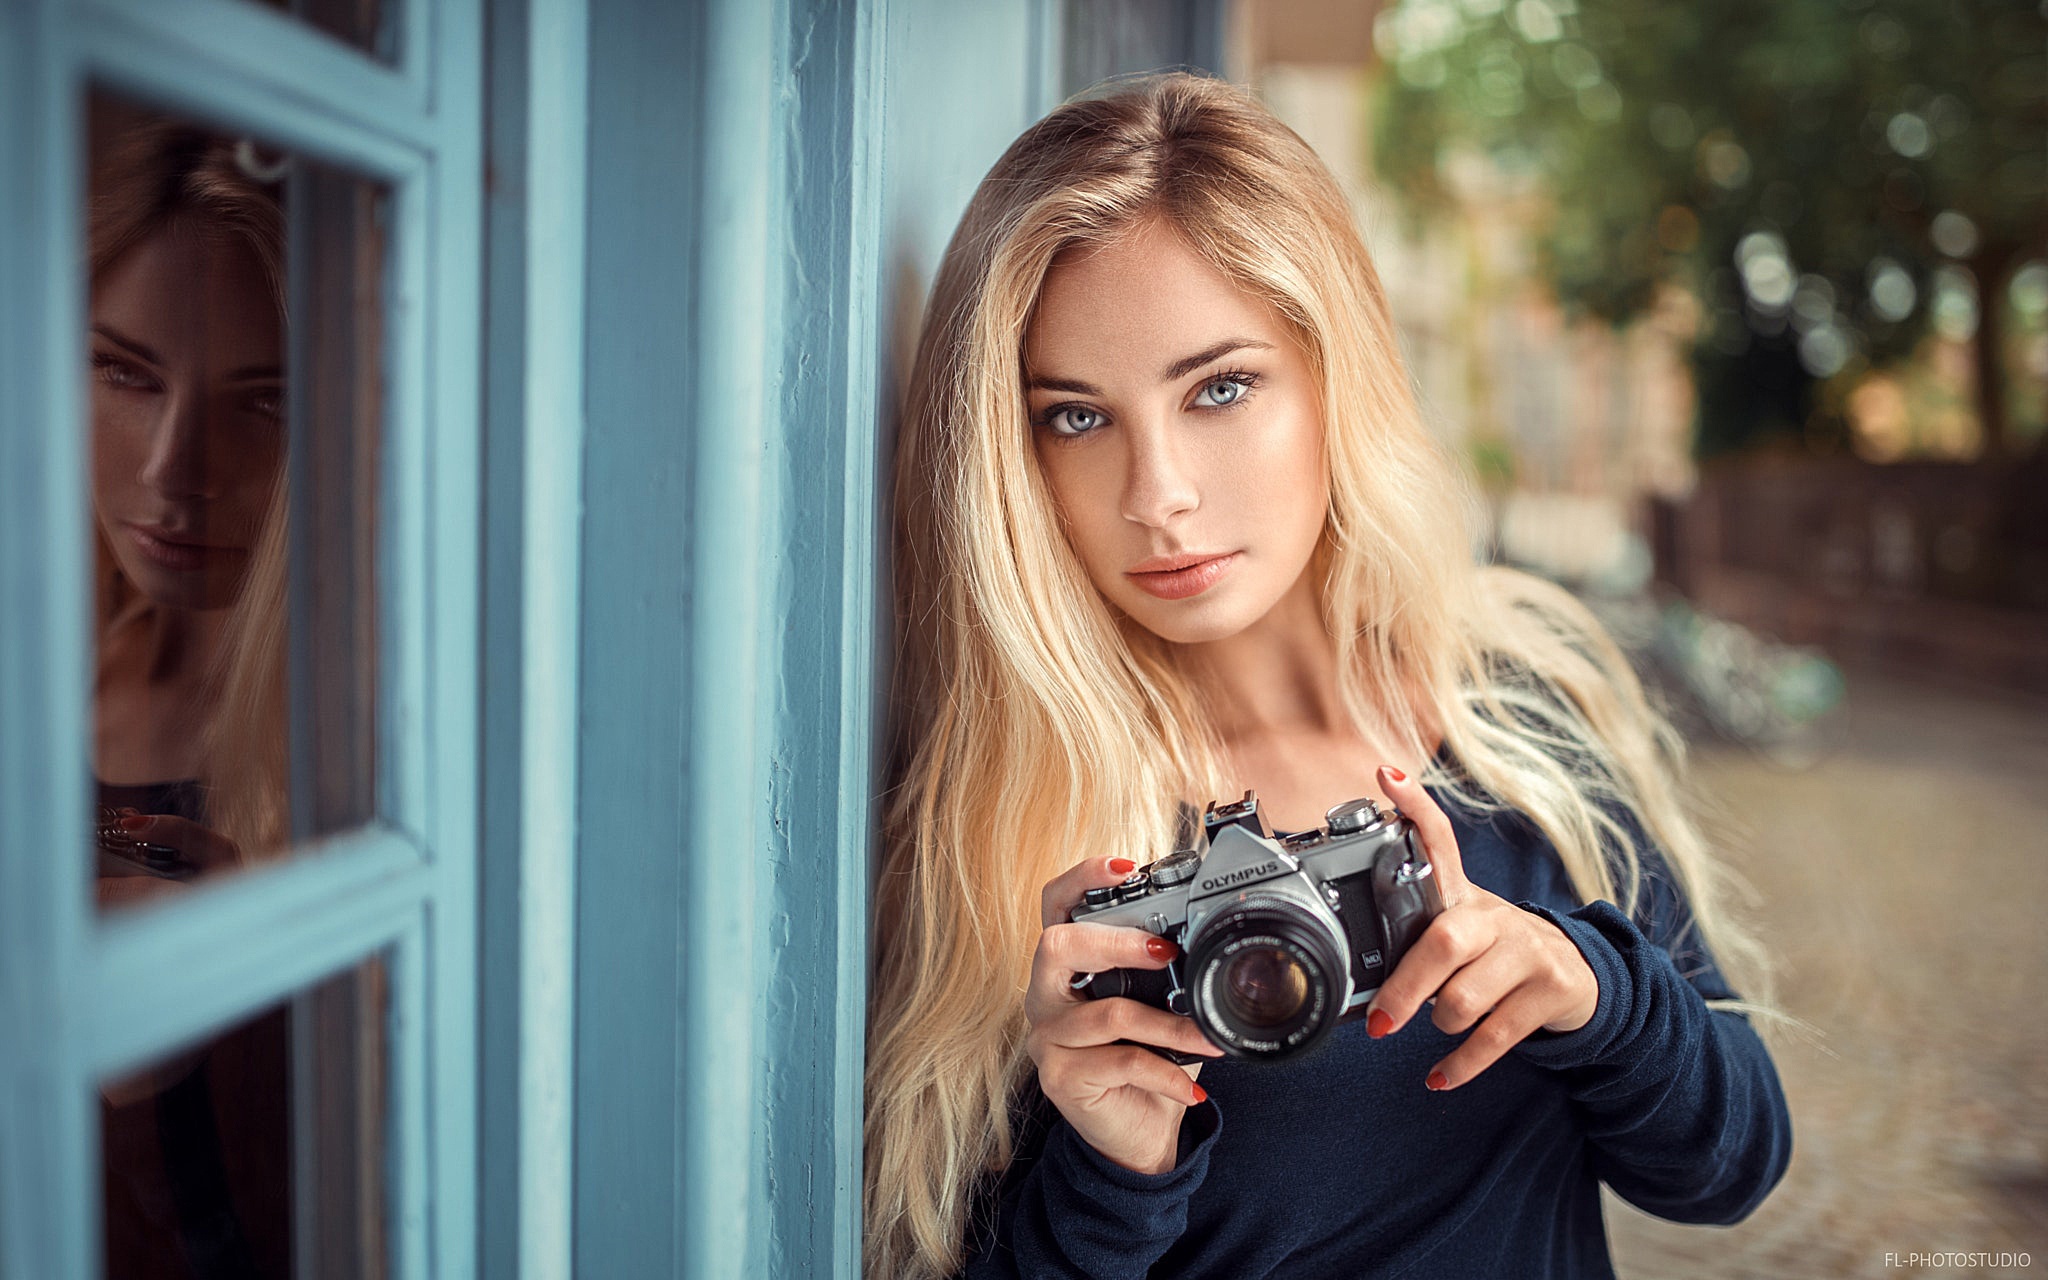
1837,174
1493,463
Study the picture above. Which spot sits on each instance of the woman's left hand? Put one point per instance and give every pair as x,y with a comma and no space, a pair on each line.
1485,960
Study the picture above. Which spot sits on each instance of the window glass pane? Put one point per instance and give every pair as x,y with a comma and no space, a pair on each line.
258,1155
234,296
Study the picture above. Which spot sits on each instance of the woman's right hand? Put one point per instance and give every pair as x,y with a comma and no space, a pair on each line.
1124,1099
200,851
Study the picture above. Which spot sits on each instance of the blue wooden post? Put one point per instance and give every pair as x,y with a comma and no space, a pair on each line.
636,825
533,478
726,650
47,1129
820,780
731,646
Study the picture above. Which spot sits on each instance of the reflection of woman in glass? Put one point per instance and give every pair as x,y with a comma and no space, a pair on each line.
1169,527
187,445
186,348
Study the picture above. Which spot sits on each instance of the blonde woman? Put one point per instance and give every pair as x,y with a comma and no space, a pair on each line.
1170,527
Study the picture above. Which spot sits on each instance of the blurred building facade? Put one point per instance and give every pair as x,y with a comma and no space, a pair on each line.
1905,541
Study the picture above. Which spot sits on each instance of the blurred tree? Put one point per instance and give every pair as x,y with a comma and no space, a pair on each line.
1831,178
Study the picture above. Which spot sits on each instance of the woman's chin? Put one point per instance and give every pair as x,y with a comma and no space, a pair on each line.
196,592
1187,621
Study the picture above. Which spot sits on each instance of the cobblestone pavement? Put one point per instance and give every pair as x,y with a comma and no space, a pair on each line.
1903,881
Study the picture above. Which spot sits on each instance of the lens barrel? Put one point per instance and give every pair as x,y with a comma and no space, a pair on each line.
1266,978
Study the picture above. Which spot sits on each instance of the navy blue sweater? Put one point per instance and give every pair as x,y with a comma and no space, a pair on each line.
1340,1162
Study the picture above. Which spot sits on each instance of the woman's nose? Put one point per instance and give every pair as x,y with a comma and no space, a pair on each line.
179,463
1158,485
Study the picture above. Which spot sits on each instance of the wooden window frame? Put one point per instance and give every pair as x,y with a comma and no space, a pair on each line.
85,997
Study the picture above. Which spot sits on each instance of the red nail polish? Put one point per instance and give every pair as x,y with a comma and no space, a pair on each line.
1377,1023
1161,948
1394,773
1201,1094
1438,1081
137,823
1122,866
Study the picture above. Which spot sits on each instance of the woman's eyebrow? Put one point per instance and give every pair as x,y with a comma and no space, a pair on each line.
1174,372
131,345
1182,368
1068,385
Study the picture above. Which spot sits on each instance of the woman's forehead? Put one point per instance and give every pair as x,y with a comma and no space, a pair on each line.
1147,296
199,293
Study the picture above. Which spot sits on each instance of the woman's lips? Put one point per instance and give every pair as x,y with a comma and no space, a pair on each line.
1190,579
181,557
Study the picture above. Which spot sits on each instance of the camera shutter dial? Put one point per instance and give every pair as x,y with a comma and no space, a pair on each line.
1354,815
1175,868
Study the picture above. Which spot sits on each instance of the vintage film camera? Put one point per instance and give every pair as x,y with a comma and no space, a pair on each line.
120,854
1280,939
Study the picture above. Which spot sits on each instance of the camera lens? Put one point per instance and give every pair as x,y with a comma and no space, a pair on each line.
1267,978
1264,987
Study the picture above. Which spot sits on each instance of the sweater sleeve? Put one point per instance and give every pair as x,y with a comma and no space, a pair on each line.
1681,1103
1064,1210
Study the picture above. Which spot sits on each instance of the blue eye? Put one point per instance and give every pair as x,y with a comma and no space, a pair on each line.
1220,393
1071,420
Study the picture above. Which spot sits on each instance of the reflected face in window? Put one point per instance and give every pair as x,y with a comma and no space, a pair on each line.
187,410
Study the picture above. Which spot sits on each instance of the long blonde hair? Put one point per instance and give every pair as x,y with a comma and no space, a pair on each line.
152,172
1034,727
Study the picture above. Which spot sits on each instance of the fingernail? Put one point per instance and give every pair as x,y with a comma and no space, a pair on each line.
1377,1023
1161,948
1201,1094
1122,866
1394,773
135,824
1438,1081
